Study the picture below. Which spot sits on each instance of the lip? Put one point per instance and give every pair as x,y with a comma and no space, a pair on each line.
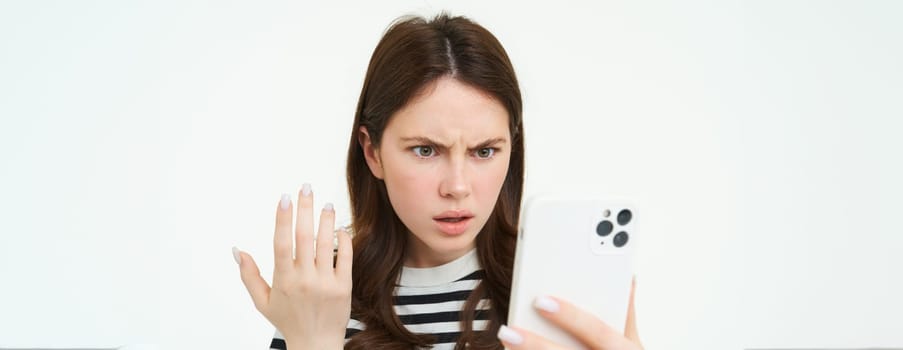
453,228
454,214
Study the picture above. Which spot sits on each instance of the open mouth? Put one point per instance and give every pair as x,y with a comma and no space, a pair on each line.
453,225
459,219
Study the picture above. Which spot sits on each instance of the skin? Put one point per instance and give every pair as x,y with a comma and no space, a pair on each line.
447,149
309,296
589,330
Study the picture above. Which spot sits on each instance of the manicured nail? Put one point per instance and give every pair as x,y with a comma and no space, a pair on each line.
236,255
285,201
328,207
509,336
305,190
546,304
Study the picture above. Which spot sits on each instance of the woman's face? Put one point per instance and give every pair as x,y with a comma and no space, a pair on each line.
443,158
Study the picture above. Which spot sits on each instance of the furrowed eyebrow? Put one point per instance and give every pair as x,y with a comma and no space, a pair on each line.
428,141
490,142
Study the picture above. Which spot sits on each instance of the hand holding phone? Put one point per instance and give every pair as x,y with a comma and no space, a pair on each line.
578,249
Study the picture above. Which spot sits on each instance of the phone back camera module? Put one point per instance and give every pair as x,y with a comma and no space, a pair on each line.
604,228
624,217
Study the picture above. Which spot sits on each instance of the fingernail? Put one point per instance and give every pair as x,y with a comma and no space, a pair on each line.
546,304
305,190
328,207
236,255
509,336
285,201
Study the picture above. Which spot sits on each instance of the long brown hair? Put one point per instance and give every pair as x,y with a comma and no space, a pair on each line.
412,54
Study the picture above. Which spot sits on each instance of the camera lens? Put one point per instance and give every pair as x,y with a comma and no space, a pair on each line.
621,239
604,228
624,217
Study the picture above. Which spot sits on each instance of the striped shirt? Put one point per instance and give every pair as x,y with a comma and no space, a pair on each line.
429,301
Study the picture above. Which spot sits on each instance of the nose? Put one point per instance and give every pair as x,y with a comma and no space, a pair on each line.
455,180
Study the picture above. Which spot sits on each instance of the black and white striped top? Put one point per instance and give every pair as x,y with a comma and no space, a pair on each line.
429,301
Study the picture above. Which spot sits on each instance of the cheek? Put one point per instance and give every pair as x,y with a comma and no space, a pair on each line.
407,185
490,180
414,185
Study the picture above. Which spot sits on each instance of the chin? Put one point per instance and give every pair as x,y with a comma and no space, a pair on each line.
450,244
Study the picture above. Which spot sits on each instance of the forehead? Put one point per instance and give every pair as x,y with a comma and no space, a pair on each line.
450,108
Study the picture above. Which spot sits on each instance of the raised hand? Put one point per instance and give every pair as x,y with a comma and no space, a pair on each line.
310,301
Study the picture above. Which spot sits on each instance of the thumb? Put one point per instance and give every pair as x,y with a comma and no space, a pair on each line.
250,276
630,329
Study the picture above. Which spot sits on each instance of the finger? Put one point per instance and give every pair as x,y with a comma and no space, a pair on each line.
282,239
343,256
521,339
324,239
586,327
256,286
304,228
630,329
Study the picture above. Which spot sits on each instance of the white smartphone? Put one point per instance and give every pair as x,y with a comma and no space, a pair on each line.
578,248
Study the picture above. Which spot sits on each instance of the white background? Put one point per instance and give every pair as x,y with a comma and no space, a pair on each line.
140,141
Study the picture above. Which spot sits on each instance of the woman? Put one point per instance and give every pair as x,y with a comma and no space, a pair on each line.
435,176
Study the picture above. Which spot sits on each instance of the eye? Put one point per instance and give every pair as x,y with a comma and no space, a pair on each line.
486,153
423,151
